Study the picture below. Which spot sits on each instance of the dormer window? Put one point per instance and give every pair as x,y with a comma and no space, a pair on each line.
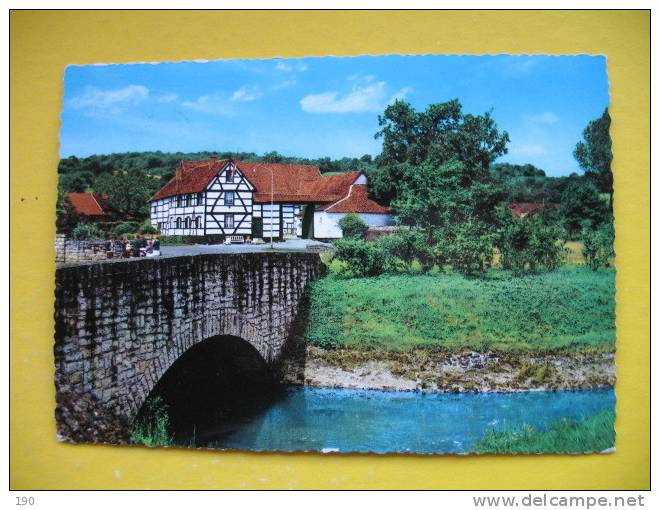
229,175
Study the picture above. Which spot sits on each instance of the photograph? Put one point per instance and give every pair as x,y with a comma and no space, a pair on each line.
385,254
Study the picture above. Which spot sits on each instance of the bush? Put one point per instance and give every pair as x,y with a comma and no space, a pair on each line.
532,243
598,246
86,232
353,227
466,246
404,247
147,228
362,258
126,228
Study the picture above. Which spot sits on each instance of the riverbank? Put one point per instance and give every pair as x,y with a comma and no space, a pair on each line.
440,371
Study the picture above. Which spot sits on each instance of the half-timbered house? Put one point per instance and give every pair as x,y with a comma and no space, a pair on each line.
221,197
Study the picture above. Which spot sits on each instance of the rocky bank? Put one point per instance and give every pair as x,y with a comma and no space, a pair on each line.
439,371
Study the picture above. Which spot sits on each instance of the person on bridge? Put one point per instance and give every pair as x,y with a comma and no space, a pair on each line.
154,249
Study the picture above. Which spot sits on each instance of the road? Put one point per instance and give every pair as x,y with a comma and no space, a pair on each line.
199,249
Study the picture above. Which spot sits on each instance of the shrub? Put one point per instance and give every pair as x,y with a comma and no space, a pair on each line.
86,232
466,246
598,246
404,247
532,243
147,228
353,227
126,227
362,258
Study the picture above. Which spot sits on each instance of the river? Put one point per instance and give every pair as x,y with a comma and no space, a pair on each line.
351,420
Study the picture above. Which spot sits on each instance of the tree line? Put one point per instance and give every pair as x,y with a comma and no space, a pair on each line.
437,173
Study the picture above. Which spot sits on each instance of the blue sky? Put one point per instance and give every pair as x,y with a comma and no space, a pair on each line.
327,106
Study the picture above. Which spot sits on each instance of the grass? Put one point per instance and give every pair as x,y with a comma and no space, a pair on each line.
568,310
588,435
152,429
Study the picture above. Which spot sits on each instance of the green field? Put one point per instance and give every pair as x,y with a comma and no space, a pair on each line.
568,310
593,434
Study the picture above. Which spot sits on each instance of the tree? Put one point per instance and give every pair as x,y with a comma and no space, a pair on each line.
594,153
530,243
353,226
127,194
598,246
581,207
438,135
86,232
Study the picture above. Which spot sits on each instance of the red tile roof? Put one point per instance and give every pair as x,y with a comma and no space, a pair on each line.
356,201
86,204
191,177
290,183
522,209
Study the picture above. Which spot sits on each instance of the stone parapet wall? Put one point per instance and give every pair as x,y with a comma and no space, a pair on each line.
71,251
120,325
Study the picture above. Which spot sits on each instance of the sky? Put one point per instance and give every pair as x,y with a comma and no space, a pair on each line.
327,106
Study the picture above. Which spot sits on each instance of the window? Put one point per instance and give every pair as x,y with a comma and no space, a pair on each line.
179,200
229,198
229,221
229,176
200,198
198,222
193,199
187,200
187,222
178,223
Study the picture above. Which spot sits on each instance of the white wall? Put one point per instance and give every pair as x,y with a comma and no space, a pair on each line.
326,225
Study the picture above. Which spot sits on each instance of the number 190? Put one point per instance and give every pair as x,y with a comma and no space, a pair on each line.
24,501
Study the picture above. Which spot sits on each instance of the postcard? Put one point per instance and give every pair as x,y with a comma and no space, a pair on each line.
375,254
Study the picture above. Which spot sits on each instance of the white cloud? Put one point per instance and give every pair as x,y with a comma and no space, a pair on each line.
167,98
244,94
284,67
369,96
544,118
109,100
284,84
213,104
401,94
287,67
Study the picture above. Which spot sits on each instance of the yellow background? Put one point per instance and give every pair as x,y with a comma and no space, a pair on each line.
43,43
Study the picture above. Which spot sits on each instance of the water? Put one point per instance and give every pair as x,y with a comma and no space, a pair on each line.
348,420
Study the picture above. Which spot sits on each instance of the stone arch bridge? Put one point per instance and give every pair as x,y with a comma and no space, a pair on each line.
120,325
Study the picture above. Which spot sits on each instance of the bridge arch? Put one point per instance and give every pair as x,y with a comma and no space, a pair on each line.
120,326
230,328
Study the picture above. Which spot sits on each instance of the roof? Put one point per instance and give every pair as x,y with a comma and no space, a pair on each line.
191,177
290,183
86,204
522,209
356,201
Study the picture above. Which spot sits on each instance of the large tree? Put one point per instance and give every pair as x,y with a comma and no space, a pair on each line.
594,153
127,193
438,135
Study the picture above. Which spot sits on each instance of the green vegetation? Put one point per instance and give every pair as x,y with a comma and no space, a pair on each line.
568,310
353,226
152,428
593,434
83,232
